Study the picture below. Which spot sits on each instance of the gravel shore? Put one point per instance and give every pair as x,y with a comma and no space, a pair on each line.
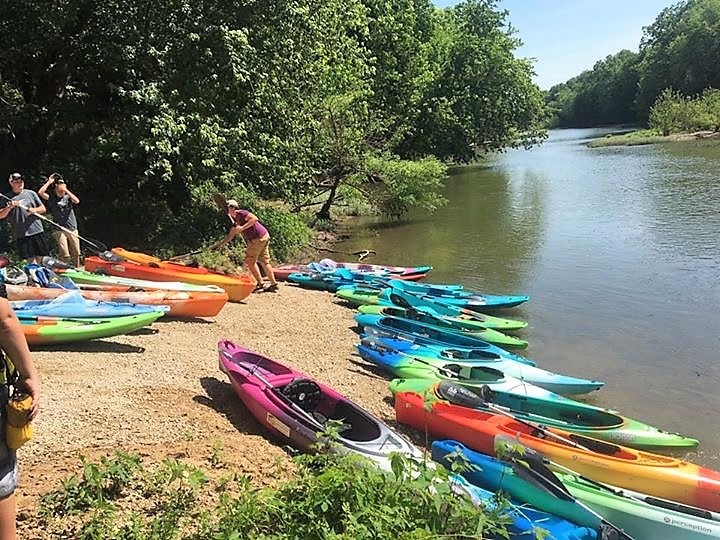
159,392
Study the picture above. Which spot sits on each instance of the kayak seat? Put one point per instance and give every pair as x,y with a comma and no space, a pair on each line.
304,393
324,421
355,425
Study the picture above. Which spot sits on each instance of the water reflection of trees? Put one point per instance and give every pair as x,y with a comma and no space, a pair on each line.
683,201
486,237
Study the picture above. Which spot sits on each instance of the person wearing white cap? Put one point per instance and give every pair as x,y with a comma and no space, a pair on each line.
257,240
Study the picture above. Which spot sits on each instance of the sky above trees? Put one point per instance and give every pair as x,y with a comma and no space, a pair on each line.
567,37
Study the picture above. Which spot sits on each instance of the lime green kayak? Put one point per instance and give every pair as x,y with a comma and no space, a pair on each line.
642,516
49,330
462,321
359,296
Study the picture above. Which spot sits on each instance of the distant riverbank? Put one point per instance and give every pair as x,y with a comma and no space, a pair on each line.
647,136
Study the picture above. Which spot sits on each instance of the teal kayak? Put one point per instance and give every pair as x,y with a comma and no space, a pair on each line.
441,325
443,331
581,500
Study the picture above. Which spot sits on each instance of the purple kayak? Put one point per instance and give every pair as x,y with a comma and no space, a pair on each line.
292,405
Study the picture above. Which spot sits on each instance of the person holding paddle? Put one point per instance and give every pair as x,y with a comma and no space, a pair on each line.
61,202
257,239
22,207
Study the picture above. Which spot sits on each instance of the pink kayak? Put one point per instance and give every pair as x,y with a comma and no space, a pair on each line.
293,406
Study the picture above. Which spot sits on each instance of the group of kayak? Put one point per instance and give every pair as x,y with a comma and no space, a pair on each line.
577,470
117,292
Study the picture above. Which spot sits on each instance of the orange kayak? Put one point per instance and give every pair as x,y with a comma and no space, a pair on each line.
660,476
237,287
181,303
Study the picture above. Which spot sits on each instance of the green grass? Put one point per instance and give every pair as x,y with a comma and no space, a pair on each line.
329,497
633,138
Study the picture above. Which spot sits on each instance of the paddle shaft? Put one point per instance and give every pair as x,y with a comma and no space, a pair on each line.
557,488
275,390
48,220
178,257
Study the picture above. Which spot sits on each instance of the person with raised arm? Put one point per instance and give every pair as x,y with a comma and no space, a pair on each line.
61,202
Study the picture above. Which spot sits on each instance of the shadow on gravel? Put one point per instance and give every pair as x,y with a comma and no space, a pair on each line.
97,345
222,398
368,369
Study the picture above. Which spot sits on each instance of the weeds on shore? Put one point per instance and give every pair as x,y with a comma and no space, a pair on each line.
338,497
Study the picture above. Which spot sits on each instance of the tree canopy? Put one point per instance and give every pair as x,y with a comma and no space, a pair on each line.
150,108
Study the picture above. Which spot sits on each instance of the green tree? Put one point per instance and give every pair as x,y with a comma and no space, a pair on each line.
479,97
680,50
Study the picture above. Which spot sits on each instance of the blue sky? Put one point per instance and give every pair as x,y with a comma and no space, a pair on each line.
567,37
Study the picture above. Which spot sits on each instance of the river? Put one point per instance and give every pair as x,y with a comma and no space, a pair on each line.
619,250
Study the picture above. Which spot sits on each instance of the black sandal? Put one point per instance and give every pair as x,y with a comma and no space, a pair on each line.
272,288
259,287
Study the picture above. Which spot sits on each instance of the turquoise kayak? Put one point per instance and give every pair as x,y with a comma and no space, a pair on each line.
366,294
487,334
459,296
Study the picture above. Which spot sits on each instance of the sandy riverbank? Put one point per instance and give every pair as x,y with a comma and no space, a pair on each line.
159,392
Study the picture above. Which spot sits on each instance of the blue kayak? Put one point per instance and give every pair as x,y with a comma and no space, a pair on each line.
533,485
73,305
525,520
382,352
419,329
463,346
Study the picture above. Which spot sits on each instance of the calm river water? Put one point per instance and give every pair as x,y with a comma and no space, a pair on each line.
619,250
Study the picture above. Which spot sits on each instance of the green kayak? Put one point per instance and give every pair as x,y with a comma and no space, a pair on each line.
440,325
359,296
49,330
642,516
461,322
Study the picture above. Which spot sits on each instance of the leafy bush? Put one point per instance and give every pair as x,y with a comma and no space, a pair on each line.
673,113
338,497
406,184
